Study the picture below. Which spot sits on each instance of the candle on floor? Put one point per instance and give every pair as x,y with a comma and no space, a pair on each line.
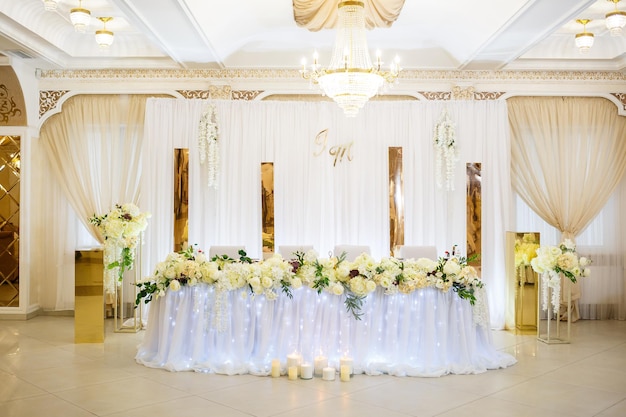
275,368
306,371
348,361
344,373
328,374
320,362
294,359
292,373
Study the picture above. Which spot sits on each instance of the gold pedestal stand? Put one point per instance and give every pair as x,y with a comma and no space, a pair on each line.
88,297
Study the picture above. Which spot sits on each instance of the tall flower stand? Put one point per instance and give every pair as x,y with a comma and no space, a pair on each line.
126,318
550,328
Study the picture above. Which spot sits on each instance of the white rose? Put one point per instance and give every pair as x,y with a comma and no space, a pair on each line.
296,282
583,261
267,282
174,285
451,268
337,289
370,285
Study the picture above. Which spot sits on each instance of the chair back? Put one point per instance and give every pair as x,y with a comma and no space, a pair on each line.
416,252
352,251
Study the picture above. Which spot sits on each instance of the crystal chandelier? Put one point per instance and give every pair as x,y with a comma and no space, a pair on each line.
584,40
80,17
104,37
615,20
350,79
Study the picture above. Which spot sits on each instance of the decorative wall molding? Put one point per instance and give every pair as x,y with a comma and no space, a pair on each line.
622,99
460,93
245,94
8,107
48,100
488,95
423,75
436,95
202,94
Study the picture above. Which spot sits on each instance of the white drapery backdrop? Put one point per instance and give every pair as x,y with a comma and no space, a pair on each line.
317,202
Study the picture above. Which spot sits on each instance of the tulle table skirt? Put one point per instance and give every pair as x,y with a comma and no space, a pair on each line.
425,333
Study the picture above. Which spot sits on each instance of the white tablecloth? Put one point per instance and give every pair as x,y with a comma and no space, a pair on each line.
426,333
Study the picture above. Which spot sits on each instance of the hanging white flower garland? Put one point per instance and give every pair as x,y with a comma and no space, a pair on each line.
444,142
208,134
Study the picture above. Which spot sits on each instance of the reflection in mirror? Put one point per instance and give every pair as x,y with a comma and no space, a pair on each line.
522,281
267,207
181,199
396,201
474,213
9,220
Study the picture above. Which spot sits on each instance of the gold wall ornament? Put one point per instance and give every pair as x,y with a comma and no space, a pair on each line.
474,212
488,95
462,93
396,200
8,107
12,103
622,99
220,92
181,199
195,94
246,95
267,206
338,152
48,100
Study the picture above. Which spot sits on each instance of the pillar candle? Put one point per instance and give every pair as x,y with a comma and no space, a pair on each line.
344,373
294,359
328,374
306,371
275,368
321,362
346,360
292,372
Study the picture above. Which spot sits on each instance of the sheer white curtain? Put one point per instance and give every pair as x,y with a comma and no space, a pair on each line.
90,151
320,202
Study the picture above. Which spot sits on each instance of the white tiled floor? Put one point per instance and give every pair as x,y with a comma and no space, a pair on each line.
43,373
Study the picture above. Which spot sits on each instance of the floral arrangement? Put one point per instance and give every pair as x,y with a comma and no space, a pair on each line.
208,143
444,142
334,275
121,229
551,262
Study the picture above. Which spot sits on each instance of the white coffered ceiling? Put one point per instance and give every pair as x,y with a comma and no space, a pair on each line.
429,34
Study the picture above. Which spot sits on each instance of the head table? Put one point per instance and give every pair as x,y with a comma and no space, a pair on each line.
428,332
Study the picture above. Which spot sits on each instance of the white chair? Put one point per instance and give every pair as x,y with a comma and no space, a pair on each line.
288,251
231,251
352,251
416,252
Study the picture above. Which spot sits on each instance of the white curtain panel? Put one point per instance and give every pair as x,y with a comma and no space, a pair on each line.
318,201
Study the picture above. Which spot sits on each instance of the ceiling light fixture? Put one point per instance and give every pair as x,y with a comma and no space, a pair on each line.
80,17
50,5
615,20
350,79
104,37
584,40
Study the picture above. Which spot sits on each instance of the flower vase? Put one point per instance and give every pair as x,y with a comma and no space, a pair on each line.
127,318
552,328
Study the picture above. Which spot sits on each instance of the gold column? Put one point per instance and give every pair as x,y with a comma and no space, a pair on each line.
88,296
267,207
396,200
181,199
474,212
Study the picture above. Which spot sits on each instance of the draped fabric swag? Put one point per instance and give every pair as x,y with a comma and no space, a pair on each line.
568,157
321,14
